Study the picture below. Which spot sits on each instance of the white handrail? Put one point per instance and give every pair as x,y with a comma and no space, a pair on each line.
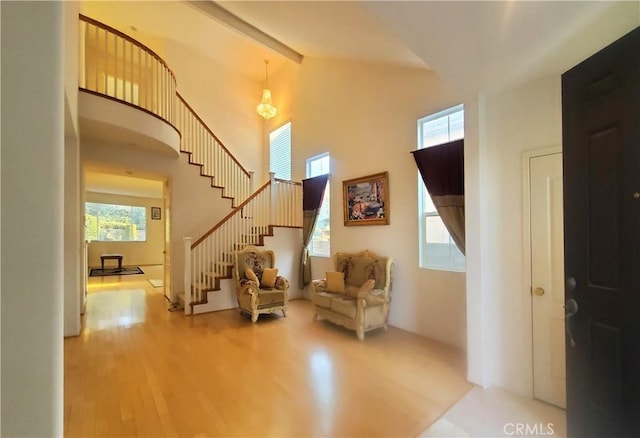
116,65
187,275
277,203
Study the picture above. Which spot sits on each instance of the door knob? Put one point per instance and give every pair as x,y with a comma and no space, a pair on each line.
570,309
538,291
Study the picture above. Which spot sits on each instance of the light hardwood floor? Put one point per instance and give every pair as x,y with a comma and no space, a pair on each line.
140,370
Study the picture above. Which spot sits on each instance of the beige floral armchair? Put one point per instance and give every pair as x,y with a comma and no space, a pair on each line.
357,295
258,287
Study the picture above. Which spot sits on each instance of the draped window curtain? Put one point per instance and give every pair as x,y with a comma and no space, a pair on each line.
442,171
312,196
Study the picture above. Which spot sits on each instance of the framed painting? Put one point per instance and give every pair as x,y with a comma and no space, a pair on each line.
156,213
366,200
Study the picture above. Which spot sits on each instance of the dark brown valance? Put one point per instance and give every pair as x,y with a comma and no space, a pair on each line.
442,171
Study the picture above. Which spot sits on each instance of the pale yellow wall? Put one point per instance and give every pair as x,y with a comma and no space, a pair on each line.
365,116
225,100
149,252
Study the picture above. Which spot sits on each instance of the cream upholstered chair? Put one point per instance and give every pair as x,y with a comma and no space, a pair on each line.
258,288
357,295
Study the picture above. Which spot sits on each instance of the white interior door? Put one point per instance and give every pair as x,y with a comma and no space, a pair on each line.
547,278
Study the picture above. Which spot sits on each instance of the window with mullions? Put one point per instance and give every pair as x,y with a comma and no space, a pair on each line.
280,152
115,223
437,248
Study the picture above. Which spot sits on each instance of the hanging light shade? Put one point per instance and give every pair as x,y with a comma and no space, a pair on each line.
265,108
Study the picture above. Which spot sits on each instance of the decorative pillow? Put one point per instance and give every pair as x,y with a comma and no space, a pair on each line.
335,282
251,275
269,277
366,287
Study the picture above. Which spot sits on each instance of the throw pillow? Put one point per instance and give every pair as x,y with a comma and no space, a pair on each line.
366,287
335,282
251,275
269,277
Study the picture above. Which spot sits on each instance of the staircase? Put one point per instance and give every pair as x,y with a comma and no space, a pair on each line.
278,203
116,66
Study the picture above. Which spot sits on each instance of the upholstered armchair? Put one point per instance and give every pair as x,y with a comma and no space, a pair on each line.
357,295
259,288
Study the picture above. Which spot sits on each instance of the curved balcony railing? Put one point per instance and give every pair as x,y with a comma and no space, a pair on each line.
115,65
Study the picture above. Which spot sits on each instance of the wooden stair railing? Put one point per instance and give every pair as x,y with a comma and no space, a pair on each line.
278,203
114,65
207,151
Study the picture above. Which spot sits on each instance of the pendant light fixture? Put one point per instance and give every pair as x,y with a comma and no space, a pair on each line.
265,108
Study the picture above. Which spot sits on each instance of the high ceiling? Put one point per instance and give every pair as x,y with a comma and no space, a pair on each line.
477,45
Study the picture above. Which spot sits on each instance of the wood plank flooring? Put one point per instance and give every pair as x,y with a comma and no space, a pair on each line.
139,370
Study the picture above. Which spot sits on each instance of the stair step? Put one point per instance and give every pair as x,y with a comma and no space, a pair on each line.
200,285
213,274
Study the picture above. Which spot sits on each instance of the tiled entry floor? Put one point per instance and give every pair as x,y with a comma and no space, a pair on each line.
494,412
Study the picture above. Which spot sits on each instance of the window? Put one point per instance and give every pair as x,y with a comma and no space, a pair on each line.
437,249
280,152
320,241
119,223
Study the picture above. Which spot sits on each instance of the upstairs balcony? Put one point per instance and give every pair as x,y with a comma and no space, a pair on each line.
127,92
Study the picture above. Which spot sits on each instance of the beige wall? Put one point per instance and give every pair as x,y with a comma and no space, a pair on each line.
32,219
150,252
226,101
523,119
73,232
365,116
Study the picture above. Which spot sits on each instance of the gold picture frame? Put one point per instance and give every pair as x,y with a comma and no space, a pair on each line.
366,200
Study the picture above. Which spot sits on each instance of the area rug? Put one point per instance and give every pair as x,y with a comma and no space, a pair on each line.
97,272
156,283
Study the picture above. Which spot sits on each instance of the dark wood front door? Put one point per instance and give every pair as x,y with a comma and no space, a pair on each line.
601,165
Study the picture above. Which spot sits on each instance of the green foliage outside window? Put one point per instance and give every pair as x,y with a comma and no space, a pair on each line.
110,222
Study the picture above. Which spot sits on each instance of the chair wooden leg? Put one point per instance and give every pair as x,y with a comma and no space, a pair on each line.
284,312
360,333
254,317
